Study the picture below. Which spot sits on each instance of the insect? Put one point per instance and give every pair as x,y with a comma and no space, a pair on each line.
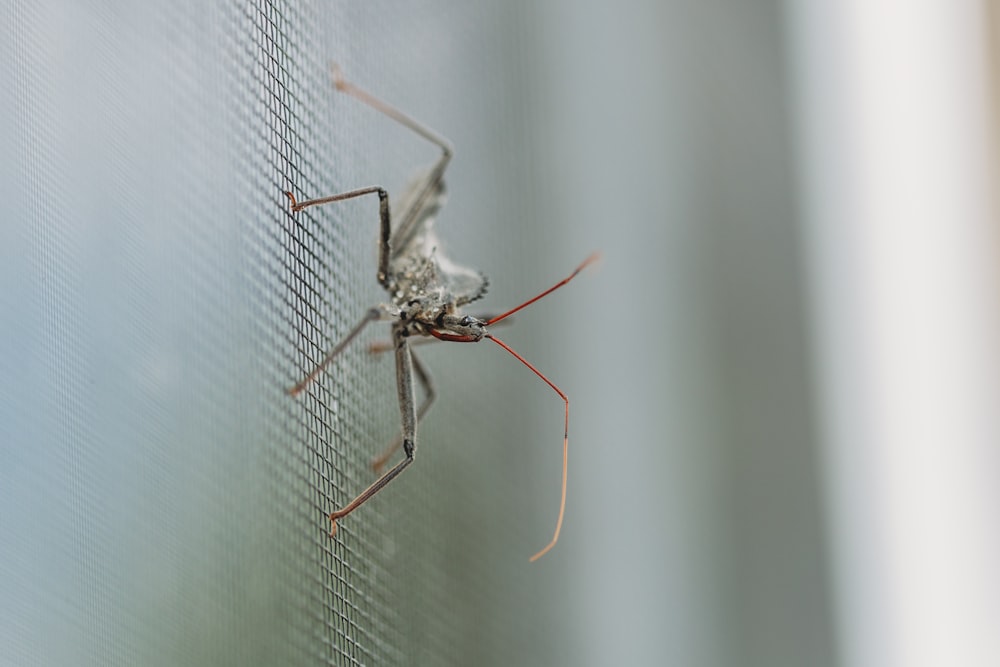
427,292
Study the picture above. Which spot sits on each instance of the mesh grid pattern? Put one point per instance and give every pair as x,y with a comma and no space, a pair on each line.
170,298
164,501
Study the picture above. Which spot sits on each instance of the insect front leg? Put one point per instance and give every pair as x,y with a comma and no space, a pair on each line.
408,414
372,315
429,395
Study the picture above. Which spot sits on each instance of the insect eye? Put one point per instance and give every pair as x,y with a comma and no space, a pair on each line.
466,321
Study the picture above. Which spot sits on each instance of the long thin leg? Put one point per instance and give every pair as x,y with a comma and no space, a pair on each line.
404,387
429,395
385,228
408,217
371,316
562,501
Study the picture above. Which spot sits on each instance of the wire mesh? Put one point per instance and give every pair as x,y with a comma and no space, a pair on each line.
164,501
170,499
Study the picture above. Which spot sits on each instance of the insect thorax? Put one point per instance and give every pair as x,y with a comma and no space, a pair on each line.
434,281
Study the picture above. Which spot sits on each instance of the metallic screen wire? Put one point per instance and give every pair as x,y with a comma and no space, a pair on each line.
175,494
163,501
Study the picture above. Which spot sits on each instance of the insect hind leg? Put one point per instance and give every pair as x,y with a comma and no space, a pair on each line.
429,395
408,414
408,217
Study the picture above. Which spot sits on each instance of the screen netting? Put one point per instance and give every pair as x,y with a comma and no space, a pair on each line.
162,298
163,500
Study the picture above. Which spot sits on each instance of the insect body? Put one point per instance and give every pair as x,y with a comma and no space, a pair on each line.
427,292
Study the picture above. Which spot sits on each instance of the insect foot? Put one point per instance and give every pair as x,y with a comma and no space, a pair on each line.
339,82
333,522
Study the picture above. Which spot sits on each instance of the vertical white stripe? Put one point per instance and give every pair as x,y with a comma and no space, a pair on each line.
903,250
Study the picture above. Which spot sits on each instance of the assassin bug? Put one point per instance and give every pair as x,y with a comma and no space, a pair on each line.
427,292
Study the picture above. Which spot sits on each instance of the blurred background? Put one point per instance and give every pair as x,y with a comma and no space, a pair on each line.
784,374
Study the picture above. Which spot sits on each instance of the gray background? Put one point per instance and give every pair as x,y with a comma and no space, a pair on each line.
163,501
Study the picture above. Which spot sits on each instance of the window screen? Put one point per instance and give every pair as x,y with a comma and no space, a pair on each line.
164,501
